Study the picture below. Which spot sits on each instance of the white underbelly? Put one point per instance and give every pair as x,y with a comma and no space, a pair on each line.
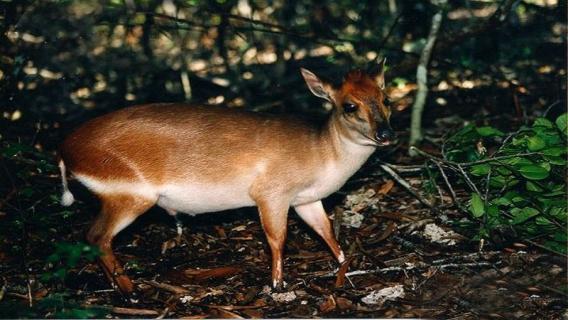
187,198
195,199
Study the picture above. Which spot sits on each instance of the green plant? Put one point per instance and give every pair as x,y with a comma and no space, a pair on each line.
66,257
56,305
522,185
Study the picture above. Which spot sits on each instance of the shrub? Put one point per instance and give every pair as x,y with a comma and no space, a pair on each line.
520,186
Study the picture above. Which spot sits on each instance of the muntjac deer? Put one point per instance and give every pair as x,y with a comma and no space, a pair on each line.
196,159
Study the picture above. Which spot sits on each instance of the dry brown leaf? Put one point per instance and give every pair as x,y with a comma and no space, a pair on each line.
396,216
220,232
134,311
40,293
343,303
254,313
386,187
169,244
195,316
223,314
205,274
317,288
246,237
328,305
368,229
167,287
391,227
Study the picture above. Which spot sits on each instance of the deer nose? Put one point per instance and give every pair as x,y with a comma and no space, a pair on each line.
385,135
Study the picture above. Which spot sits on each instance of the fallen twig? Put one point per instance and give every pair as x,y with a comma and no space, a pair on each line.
230,308
545,248
4,289
417,266
470,257
134,311
164,313
167,287
449,185
402,168
406,185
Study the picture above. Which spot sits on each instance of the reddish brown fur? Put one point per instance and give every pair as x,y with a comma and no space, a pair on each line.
156,152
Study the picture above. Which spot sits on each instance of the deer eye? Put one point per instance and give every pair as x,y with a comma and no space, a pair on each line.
349,107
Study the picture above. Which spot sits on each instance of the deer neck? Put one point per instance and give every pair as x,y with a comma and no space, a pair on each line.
346,150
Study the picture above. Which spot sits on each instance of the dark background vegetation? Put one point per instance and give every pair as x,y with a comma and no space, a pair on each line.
497,64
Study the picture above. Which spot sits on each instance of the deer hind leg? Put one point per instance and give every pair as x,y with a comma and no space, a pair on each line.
274,219
314,215
117,212
179,223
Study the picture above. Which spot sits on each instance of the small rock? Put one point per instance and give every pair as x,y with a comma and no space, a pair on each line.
385,294
436,234
284,297
555,270
352,219
186,299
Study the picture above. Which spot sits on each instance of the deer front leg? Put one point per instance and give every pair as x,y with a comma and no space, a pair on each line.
314,215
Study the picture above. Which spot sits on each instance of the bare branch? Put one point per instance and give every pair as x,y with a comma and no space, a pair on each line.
406,185
422,77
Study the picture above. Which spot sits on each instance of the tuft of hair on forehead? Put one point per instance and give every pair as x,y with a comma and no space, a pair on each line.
360,81
357,76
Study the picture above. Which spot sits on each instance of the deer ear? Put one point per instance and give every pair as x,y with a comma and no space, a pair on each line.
377,72
317,86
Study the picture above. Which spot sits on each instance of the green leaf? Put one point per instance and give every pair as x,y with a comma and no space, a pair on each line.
531,186
503,171
535,143
522,215
556,246
543,221
497,181
545,165
533,172
502,201
515,198
562,123
489,132
512,182
561,236
543,122
554,151
510,195
480,169
551,138
557,161
519,141
558,213
493,211
518,161
477,208
554,202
